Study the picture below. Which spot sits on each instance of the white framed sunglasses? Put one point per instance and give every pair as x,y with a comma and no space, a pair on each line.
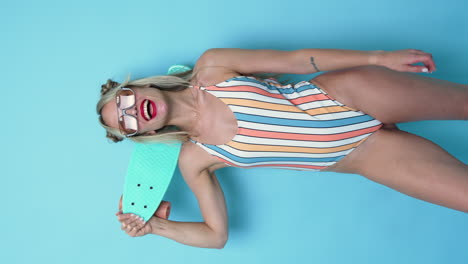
125,99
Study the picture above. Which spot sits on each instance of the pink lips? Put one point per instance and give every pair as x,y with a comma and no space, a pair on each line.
152,111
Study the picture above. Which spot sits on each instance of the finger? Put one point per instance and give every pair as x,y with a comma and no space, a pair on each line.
129,230
415,68
420,58
138,230
428,62
425,59
135,232
138,220
132,219
124,217
135,220
127,227
431,65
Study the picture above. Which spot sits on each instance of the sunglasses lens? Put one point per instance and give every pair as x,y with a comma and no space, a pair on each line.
125,99
128,125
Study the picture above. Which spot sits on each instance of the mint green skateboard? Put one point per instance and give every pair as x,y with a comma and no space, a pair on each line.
148,176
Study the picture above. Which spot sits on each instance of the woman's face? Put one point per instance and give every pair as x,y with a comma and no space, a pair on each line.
150,111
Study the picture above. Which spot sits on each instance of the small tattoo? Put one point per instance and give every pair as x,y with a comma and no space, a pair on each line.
313,64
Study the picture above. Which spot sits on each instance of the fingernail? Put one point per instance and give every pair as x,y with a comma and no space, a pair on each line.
425,70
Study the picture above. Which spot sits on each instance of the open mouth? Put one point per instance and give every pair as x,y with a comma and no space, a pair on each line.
148,109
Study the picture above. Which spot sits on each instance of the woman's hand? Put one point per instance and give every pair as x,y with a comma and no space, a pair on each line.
404,60
134,225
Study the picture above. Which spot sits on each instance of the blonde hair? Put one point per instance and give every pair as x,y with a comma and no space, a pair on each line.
173,83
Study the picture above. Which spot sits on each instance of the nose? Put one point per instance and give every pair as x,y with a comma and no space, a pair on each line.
132,111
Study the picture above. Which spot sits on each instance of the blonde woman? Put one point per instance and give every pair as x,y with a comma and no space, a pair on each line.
341,121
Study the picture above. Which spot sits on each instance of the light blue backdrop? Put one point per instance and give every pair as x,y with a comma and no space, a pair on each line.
61,179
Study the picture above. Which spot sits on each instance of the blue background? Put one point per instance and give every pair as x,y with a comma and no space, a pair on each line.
61,179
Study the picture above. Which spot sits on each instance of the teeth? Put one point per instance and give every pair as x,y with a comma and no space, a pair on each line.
145,110
149,110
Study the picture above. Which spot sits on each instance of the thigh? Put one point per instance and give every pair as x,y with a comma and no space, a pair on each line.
395,97
412,165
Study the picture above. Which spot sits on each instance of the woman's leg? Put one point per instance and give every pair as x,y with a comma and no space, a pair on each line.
403,161
412,165
395,97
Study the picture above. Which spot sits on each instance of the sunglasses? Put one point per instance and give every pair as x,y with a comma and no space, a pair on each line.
125,99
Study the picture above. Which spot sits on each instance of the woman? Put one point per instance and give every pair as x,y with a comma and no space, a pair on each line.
227,119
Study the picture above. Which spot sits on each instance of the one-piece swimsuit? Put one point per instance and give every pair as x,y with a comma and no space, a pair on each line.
287,126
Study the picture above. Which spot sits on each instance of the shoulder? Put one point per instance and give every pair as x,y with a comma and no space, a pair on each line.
193,160
206,71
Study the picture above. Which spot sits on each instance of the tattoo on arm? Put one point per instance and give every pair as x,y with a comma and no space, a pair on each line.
313,64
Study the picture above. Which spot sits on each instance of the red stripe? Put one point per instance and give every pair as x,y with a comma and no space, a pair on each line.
252,89
305,137
309,98
289,165
245,88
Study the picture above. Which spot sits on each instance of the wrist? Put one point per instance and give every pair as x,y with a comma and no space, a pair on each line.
375,57
158,225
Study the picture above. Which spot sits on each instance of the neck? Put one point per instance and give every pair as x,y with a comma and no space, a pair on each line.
183,111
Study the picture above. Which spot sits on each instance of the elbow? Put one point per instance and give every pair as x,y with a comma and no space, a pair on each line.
221,243
221,240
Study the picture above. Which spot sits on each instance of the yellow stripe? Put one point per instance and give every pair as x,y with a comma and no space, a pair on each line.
269,148
261,105
327,110
286,108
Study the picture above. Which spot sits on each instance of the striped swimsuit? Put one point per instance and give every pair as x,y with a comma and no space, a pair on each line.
292,126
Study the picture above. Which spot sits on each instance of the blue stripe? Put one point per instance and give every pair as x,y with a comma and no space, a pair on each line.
303,123
273,87
306,87
252,160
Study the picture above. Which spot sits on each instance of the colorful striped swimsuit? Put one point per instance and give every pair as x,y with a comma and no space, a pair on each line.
287,126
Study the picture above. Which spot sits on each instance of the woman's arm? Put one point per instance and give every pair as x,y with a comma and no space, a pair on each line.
194,164
213,232
306,61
